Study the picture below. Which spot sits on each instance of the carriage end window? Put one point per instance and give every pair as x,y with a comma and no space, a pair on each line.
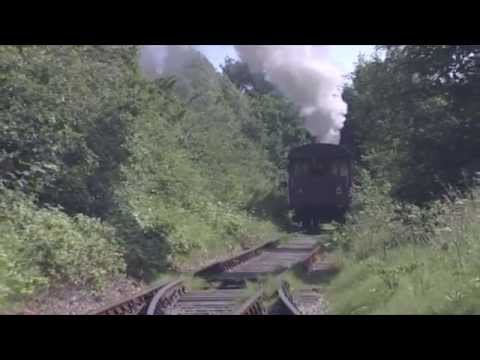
321,168
342,168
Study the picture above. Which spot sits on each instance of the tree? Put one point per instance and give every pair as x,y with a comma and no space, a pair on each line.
414,116
275,122
64,112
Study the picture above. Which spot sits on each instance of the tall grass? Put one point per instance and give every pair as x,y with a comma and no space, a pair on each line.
401,259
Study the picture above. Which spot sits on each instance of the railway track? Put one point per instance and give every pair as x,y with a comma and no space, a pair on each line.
299,302
133,305
176,299
307,301
271,260
231,295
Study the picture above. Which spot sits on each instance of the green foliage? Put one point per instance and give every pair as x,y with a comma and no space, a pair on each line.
372,220
39,247
413,123
413,117
63,113
184,187
402,259
246,81
276,123
180,167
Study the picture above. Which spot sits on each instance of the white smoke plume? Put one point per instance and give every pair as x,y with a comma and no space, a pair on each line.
156,60
303,74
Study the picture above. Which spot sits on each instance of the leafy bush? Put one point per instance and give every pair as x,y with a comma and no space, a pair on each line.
401,259
414,108
40,247
192,177
372,224
64,111
172,167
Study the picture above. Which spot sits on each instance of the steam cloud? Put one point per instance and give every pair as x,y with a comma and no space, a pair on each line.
301,72
156,60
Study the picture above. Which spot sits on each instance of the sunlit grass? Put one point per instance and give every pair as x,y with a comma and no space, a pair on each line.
439,276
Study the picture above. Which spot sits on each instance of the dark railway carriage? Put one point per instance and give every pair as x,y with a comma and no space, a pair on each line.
319,183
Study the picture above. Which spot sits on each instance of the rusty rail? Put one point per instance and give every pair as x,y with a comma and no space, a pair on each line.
286,298
253,306
166,297
311,258
267,258
174,297
133,305
226,264
138,303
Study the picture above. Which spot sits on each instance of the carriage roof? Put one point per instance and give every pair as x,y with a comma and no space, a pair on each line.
319,151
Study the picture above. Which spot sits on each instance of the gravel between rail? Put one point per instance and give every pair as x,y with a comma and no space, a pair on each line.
74,301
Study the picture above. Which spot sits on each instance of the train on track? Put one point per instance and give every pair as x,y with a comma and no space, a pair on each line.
319,183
